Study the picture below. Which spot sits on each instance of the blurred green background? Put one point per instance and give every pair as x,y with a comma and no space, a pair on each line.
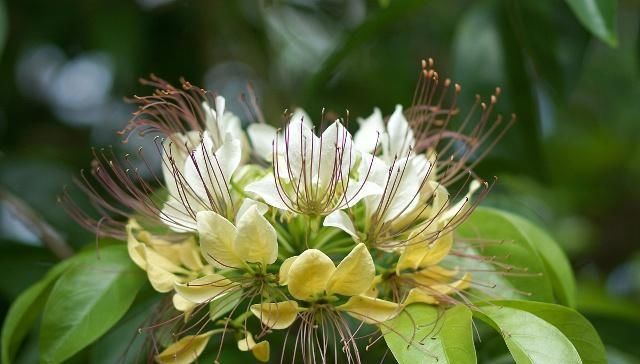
568,69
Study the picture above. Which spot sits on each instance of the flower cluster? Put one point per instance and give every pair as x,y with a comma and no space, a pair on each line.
306,230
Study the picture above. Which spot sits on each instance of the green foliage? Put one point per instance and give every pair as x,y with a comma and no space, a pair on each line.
25,310
426,334
598,16
571,323
536,267
530,339
86,301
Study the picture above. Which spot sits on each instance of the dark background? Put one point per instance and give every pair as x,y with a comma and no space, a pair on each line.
571,163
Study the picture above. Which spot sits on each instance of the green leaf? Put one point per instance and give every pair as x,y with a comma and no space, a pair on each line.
522,272
24,311
530,339
571,323
555,261
598,16
425,334
86,301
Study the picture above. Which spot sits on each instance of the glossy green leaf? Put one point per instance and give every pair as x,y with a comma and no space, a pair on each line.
598,16
426,334
571,323
24,311
521,271
556,263
87,300
530,339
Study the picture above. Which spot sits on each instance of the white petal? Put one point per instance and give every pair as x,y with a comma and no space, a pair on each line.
211,172
267,190
248,203
341,220
401,137
370,131
337,155
463,204
175,215
357,191
262,137
300,149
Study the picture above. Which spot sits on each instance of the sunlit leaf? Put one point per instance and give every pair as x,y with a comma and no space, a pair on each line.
87,300
571,323
530,339
525,275
426,334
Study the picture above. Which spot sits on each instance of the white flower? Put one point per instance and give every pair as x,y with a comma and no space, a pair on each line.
313,174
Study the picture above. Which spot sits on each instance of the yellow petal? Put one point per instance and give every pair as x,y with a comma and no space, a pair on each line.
260,350
309,274
450,288
185,350
417,295
283,276
160,271
256,241
135,247
370,310
216,240
354,274
181,304
189,255
438,250
278,315
204,289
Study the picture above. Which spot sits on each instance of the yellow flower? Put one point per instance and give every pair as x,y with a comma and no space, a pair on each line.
314,278
224,245
165,262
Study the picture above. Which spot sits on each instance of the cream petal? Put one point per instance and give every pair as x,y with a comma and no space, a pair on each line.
341,220
183,305
309,274
262,137
369,132
277,315
370,310
217,235
184,351
354,274
283,276
267,190
257,240
204,289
